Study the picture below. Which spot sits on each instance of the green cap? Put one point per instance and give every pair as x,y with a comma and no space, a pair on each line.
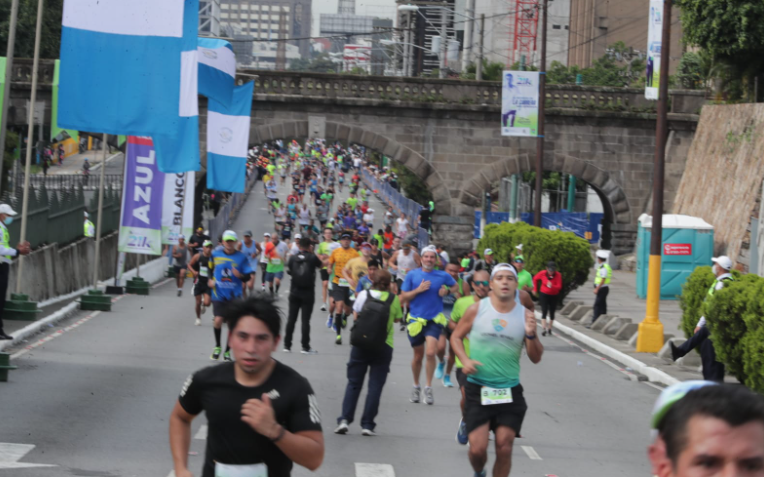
230,235
207,243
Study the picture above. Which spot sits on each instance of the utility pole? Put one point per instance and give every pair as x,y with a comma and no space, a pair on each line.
7,84
468,34
30,133
479,70
540,138
650,336
281,47
443,42
407,46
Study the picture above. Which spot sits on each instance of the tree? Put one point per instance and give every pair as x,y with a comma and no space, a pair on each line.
50,39
732,32
491,71
690,73
321,63
615,68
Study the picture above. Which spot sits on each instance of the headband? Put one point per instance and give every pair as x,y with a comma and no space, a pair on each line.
502,267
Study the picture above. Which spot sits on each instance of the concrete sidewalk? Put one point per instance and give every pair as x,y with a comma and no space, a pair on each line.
73,163
624,304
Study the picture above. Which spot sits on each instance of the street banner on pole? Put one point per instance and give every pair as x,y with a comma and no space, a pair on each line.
520,103
228,140
654,31
140,224
3,62
177,207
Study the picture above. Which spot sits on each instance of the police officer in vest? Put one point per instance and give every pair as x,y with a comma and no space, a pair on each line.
712,369
601,285
89,227
6,255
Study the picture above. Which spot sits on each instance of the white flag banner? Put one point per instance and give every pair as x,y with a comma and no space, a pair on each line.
177,207
654,40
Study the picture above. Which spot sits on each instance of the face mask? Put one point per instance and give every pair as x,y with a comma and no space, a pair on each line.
8,220
713,269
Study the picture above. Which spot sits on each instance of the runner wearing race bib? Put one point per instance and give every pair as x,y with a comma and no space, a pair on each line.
340,286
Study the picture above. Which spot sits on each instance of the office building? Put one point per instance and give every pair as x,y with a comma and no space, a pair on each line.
416,32
262,20
209,17
597,24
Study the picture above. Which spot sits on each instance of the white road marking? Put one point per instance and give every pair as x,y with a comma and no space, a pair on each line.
52,336
201,434
653,385
10,454
157,285
531,452
374,470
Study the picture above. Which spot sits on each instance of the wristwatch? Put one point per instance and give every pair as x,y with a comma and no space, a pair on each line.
531,337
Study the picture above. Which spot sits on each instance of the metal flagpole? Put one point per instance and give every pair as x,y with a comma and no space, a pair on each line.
30,133
540,140
7,84
100,212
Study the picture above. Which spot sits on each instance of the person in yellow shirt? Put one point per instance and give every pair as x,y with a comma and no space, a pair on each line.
356,267
340,285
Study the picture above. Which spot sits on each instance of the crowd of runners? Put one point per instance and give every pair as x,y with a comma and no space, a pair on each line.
464,317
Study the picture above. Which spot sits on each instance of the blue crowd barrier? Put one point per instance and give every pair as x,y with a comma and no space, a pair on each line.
398,202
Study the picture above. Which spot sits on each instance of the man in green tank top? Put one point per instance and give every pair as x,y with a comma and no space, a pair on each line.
498,328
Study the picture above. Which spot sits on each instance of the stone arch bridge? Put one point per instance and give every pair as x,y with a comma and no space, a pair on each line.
447,132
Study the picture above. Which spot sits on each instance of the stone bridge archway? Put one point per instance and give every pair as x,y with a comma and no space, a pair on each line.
616,206
398,152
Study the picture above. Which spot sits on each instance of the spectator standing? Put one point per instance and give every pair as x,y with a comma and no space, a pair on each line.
302,268
548,287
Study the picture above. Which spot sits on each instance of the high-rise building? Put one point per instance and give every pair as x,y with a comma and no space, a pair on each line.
209,17
597,24
260,19
346,6
416,32
380,58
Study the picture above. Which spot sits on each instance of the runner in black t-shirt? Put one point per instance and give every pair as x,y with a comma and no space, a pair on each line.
261,414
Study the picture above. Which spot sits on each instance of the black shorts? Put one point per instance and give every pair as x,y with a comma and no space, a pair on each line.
178,269
399,282
461,378
217,307
509,415
201,288
341,294
324,275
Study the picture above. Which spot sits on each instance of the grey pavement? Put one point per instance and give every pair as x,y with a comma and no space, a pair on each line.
73,163
95,400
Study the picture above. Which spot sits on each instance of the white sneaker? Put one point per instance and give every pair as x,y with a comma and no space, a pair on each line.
204,309
342,428
368,433
323,307
198,322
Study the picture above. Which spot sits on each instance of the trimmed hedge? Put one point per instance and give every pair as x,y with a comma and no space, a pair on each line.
571,253
694,293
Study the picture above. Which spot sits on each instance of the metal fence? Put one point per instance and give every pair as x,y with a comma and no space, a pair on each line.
68,181
227,213
57,215
398,202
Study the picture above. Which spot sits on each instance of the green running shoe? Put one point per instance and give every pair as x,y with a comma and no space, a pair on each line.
227,356
216,353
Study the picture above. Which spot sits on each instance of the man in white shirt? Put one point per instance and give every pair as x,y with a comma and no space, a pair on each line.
403,226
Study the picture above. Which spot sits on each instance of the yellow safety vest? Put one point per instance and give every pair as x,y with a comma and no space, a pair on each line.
713,285
598,279
89,228
5,242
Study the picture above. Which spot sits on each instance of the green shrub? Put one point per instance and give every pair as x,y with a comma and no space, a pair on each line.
734,317
571,253
694,293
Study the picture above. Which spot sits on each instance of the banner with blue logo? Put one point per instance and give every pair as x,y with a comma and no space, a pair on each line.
140,224
228,140
217,70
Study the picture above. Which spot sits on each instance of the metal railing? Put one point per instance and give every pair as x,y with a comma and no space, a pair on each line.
227,213
69,181
398,202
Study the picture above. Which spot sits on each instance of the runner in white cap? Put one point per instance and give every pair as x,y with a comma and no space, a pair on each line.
263,258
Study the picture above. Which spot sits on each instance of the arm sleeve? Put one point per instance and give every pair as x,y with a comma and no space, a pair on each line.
191,395
406,283
360,300
450,280
305,415
8,251
701,322
602,272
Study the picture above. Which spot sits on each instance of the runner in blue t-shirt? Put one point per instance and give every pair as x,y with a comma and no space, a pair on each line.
423,289
231,269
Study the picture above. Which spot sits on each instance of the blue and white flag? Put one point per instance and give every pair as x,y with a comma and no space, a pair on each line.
178,150
228,140
121,64
217,70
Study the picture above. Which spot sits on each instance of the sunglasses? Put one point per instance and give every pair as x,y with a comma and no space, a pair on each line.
481,282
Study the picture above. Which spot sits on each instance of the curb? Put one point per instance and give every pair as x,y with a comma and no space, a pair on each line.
654,375
37,326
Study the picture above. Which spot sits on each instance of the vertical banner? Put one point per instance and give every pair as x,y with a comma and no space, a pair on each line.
177,206
140,225
520,103
2,86
654,39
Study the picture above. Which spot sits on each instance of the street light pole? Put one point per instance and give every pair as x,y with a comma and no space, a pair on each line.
540,138
650,336
479,68
7,84
468,34
443,43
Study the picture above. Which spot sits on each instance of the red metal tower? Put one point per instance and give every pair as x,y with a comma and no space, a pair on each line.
524,35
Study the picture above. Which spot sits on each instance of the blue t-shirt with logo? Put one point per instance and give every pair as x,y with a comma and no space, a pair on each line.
427,304
227,286
363,284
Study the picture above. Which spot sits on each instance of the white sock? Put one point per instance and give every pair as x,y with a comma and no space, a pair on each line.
416,386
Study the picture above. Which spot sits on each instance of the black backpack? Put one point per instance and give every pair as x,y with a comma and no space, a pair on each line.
369,333
303,271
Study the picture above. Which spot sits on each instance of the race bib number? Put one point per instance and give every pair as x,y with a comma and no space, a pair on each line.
343,283
275,261
227,470
203,271
489,396
402,274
